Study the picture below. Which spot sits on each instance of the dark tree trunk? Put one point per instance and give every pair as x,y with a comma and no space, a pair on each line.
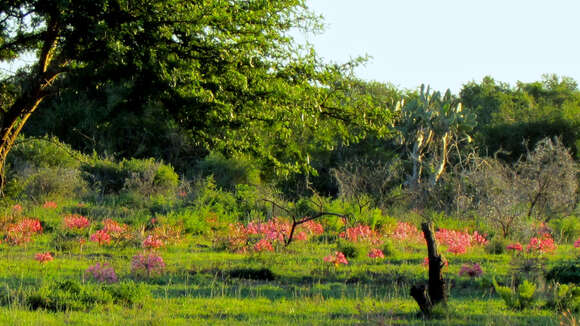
429,295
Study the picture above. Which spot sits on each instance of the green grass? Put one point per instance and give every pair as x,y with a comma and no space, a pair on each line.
197,287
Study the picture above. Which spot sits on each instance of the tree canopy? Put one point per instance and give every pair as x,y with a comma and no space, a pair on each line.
226,71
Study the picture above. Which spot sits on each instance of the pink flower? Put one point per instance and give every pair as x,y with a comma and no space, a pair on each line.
147,263
113,227
336,259
515,246
152,242
544,244
50,204
301,236
407,232
474,270
76,222
376,253
23,231
101,237
577,243
102,273
263,245
43,257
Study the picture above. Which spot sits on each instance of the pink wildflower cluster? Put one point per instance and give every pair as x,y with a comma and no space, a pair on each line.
263,245
23,231
76,222
50,204
376,253
473,270
113,227
102,273
147,263
111,231
101,237
407,232
273,230
152,242
541,245
264,234
577,243
313,227
43,257
458,242
515,246
361,233
337,258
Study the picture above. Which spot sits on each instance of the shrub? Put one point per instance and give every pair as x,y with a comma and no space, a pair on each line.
566,229
145,177
127,293
389,249
521,298
68,295
349,250
563,297
496,246
229,172
566,272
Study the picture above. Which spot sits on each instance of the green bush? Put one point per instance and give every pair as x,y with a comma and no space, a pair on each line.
45,152
39,168
145,177
496,246
68,295
563,297
348,249
389,249
127,293
566,229
566,272
228,173
40,183
520,298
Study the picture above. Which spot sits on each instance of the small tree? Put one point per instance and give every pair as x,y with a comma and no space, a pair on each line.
493,190
548,177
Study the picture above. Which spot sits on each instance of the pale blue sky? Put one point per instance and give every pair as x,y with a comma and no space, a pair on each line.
447,43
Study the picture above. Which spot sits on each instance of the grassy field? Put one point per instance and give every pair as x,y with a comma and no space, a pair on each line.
203,283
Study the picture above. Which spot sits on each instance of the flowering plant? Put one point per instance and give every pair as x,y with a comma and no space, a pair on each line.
376,253
147,263
515,246
43,257
76,222
336,259
102,273
23,231
101,237
473,270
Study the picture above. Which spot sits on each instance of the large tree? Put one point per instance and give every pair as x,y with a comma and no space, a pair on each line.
226,71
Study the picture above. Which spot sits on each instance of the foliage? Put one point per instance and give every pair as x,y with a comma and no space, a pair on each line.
549,179
520,298
565,229
564,297
145,177
565,272
228,173
67,295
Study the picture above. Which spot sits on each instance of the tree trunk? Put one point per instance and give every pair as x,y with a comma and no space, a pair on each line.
16,116
434,293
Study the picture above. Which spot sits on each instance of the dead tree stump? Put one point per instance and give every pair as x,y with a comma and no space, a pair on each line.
429,295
